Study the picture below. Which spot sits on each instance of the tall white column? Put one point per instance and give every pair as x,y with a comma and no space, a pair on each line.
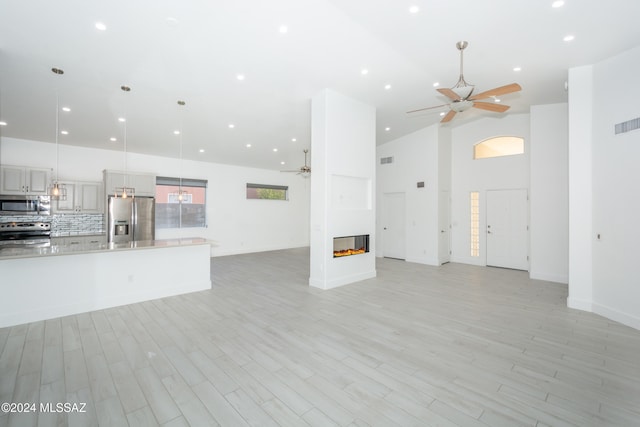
580,188
343,153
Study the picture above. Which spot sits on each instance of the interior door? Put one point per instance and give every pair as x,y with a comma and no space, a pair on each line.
444,227
507,229
394,226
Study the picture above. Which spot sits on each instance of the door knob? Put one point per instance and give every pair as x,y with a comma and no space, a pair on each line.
442,231
385,228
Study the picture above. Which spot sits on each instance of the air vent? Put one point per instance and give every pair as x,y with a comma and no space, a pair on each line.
386,160
628,126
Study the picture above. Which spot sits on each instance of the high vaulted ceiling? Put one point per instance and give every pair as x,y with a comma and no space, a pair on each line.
286,51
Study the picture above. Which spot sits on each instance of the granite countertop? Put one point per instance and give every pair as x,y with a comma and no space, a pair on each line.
56,250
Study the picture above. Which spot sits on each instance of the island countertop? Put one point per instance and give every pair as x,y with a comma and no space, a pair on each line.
85,248
44,283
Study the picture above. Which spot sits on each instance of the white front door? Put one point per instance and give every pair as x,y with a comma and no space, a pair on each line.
444,228
393,223
507,229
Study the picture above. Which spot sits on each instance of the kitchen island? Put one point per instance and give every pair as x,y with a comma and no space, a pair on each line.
43,283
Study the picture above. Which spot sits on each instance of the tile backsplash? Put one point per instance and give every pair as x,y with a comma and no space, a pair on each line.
63,224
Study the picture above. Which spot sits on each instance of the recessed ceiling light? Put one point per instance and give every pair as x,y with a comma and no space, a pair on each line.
240,77
387,129
66,109
283,29
201,150
248,145
364,71
282,163
557,3
176,132
3,123
275,150
414,9
496,99
387,87
64,132
122,119
113,139
436,84
568,38
231,126
442,114
100,26
516,69
293,139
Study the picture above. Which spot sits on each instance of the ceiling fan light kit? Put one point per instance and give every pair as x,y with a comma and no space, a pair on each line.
305,170
462,98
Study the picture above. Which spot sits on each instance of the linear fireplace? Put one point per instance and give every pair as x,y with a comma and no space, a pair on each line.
350,245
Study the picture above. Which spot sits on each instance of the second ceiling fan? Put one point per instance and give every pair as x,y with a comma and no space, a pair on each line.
462,97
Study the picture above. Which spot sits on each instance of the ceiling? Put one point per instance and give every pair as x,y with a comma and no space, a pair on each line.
194,51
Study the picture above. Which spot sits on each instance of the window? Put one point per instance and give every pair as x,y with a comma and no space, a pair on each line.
498,147
171,211
269,192
474,204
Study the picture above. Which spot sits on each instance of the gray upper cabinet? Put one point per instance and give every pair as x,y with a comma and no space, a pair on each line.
144,184
82,196
24,180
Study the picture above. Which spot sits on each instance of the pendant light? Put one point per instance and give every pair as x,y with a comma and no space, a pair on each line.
56,190
125,191
181,193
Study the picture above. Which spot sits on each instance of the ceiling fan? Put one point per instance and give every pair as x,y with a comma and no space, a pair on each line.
462,97
305,170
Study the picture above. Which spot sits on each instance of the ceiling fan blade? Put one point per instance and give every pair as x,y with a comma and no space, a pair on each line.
502,90
489,106
448,117
428,108
449,93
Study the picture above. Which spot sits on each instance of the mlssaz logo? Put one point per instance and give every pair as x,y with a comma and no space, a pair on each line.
65,407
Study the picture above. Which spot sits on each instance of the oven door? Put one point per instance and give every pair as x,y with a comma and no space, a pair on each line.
42,242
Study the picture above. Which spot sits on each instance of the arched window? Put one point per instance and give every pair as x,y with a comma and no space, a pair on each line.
498,146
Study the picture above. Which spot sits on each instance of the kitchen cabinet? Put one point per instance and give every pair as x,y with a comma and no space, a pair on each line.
82,197
24,180
144,184
93,239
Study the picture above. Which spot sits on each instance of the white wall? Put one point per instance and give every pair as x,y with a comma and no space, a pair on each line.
415,159
510,172
343,186
616,175
236,224
549,196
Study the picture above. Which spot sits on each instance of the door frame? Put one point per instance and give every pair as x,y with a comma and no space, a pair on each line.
385,221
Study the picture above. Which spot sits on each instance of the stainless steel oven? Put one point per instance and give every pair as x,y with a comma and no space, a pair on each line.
25,205
25,234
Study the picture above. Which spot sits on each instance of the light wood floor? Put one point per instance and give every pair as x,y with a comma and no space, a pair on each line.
456,345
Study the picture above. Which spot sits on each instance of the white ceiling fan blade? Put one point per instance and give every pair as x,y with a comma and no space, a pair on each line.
427,108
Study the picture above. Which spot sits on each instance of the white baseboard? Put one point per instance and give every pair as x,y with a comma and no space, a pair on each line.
537,275
580,304
216,252
617,315
341,281
426,261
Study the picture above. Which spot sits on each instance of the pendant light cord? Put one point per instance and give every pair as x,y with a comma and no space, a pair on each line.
57,132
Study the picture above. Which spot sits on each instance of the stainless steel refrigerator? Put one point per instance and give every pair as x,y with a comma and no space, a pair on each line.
131,219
